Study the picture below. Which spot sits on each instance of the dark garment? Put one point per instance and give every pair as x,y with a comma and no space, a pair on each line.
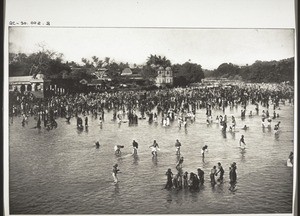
201,176
221,170
232,175
135,144
212,178
169,180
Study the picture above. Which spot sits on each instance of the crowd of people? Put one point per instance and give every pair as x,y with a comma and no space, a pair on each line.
158,106
194,181
165,103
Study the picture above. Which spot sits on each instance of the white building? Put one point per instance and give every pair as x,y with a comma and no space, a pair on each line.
36,83
164,77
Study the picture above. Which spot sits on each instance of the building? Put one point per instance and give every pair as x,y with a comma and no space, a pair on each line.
128,74
37,84
164,77
101,74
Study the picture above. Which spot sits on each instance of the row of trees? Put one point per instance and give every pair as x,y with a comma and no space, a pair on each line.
52,65
260,71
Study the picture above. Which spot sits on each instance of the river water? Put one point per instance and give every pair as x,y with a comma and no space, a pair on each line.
61,172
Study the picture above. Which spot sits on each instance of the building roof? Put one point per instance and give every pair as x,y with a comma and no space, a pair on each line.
27,79
20,79
126,72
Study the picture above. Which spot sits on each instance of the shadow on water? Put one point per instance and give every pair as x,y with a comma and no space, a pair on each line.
116,194
232,134
224,134
243,153
277,136
135,159
154,160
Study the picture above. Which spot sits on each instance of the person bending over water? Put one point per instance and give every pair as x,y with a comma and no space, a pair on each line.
276,127
117,149
245,127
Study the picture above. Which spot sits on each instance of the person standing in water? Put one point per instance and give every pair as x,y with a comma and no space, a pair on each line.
179,164
212,175
221,171
201,176
232,173
115,173
242,141
154,147
169,179
177,146
135,146
204,148
117,149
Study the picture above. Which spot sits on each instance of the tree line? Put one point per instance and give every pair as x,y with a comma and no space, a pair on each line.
51,64
260,71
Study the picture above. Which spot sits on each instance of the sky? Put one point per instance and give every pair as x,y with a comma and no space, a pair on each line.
207,47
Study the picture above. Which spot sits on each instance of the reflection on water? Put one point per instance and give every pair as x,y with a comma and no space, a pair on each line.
60,171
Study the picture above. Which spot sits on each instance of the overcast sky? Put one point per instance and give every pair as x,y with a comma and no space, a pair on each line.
208,47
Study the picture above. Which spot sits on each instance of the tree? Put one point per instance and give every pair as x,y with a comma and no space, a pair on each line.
190,71
44,61
158,61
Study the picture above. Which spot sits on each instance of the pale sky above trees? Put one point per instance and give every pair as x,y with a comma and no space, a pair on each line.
208,47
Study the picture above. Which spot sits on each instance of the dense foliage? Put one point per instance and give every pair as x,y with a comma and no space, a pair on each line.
260,71
51,64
